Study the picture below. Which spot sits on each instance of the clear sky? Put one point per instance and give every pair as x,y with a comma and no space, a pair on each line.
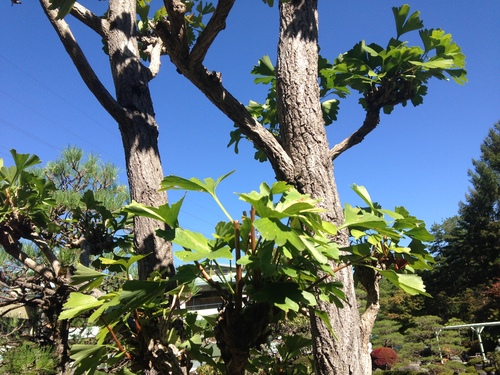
418,157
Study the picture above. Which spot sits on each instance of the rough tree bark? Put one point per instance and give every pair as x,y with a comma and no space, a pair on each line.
132,110
304,138
139,132
301,157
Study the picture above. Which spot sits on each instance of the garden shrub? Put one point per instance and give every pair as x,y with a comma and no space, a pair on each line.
383,358
32,359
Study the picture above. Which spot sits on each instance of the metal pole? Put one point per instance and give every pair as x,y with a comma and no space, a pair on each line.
478,330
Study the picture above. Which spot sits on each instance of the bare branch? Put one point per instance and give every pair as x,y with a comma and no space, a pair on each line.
84,15
81,63
372,119
13,249
46,250
154,51
388,94
210,84
216,24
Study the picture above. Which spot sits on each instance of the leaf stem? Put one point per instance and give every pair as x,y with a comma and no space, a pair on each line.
115,339
239,275
222,207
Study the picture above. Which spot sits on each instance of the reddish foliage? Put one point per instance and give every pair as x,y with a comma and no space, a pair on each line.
383,358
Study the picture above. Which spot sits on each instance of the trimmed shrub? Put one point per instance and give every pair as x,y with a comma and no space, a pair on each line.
383,358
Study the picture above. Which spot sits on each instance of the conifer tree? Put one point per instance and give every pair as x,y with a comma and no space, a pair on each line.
468,245
480,215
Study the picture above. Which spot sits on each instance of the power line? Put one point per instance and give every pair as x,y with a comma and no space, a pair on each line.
55,93
28,134
53,123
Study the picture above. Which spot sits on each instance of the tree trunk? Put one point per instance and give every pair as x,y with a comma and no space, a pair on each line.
304,138
139,132
59,329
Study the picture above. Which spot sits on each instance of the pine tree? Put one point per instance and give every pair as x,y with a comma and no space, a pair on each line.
467,246
480,214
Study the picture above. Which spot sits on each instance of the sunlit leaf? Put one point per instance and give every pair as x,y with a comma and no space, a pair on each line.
410,283
165,213
77,304
404,23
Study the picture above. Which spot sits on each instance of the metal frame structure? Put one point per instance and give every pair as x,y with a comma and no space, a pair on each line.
476,327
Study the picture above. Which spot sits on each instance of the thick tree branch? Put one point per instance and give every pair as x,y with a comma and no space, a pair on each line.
176,25
390,93
81,63
210,84
154,48
216,24
370,279
372,119
11,246
46,250
98,24
154,52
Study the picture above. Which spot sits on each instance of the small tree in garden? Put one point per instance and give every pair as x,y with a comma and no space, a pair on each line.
282,250
36,232
383,358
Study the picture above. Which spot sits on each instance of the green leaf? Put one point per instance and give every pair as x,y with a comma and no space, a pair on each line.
126,263
314,251
77,304
420,233
436,63
24,161
265,68
82,274
355,217
294,202
363,194
274,230
88,357
165,213
285,295
404,23
190,256
199,247
160,14
208,185
294,345
135,293
410,283
323,315
192,240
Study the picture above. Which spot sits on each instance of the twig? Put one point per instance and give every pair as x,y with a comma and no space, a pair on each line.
335,270
115,339
239,274
252,233
212,283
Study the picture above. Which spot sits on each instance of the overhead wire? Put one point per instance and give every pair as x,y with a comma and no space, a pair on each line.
55,93
53,123
28,134
38,139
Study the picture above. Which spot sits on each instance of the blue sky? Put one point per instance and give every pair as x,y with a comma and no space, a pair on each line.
418,157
